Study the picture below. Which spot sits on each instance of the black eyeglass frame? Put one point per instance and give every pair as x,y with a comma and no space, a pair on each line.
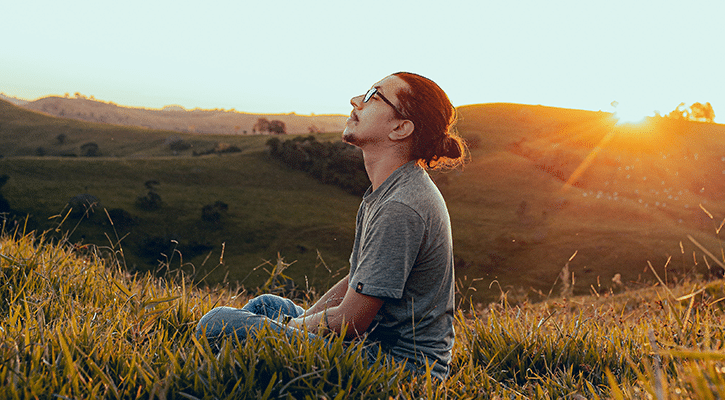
370,93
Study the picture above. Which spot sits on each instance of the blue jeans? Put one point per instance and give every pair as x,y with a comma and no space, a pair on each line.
269,309
264,309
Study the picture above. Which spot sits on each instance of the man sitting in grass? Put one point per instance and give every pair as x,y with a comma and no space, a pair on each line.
399,294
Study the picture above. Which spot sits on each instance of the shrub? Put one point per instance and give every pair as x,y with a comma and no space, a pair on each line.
150,202
121,217
332,163
274,145
179,145
90,149
151,184
153,246
219,148
83,205
229,149
213,212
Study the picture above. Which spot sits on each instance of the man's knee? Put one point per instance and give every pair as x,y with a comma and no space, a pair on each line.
269,305
213,318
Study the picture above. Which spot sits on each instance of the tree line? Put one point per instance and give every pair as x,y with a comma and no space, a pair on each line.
332,163
276,127
696,112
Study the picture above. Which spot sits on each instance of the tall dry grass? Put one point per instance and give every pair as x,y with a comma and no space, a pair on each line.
74,324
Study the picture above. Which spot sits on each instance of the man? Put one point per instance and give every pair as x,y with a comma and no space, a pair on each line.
399,293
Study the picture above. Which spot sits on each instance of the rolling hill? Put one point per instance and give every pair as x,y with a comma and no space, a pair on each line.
545,184
542,184
176,118
14,100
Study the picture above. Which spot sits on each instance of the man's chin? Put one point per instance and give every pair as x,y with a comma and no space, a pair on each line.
348,137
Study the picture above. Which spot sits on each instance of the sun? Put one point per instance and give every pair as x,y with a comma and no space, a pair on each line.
630,113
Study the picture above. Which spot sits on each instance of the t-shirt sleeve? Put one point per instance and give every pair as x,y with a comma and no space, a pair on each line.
388,250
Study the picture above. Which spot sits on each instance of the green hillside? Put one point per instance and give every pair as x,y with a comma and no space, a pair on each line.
542,184
636,201
271,209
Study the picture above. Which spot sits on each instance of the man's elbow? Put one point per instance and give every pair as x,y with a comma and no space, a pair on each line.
354,331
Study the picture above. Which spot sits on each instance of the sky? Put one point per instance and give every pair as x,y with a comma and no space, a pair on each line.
276,56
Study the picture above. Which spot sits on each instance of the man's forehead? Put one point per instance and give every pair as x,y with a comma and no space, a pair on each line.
390,84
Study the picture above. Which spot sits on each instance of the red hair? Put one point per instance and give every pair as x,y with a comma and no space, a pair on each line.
430,110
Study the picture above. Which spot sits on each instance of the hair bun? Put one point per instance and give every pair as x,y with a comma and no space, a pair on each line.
451,147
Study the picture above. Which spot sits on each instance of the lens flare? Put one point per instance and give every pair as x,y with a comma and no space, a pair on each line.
630,112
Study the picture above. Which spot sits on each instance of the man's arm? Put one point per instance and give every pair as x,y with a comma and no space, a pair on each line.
356,311
332,298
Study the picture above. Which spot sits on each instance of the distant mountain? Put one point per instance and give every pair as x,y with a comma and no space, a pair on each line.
176,118
14,100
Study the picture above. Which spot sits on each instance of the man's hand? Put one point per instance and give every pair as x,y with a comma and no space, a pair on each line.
356,311
314,323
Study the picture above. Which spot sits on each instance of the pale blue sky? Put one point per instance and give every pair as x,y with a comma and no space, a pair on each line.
312,56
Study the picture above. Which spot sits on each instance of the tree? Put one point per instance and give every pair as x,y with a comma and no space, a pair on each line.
262,125
90,149
702,112
277,127
679,113
696,112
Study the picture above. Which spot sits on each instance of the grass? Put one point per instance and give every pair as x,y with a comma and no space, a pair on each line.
75,324
514,222
263,219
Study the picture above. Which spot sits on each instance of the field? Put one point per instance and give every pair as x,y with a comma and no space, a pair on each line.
552,205
520,209
74,324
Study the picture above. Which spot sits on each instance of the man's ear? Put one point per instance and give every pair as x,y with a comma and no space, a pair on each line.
402,131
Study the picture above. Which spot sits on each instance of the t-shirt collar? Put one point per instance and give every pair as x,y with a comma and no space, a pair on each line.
371,195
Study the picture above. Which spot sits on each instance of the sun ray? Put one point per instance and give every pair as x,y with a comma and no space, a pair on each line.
587,161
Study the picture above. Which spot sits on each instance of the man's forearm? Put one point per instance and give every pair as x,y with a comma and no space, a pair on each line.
332,298
337,308
331,319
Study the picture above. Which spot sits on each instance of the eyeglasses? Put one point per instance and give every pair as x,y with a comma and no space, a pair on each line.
374,91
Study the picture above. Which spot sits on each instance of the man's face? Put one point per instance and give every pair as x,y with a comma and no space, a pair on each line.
370,123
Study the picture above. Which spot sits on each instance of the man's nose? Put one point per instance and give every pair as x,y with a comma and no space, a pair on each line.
356,102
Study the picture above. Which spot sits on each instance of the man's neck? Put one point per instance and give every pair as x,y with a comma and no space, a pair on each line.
379,166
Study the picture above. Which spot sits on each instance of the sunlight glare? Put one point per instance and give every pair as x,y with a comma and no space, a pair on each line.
630,113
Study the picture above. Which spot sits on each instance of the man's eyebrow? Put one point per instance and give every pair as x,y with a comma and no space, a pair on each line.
378,88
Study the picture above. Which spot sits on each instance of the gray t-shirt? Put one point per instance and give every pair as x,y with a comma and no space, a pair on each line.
403,253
